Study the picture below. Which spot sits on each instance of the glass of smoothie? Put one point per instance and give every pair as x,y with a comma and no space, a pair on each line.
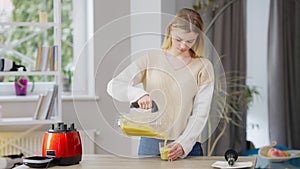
164,151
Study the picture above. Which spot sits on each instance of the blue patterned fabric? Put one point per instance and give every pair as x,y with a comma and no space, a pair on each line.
265,163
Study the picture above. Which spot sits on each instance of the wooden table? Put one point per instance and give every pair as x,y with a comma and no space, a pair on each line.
114,162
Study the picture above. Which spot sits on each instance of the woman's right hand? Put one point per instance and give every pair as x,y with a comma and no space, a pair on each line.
145,102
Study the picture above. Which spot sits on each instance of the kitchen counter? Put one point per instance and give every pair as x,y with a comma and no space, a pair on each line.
113,162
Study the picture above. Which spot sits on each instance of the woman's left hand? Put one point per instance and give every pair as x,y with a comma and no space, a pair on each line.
176,151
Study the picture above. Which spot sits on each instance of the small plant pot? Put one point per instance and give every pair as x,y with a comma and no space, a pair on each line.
21,90
66,85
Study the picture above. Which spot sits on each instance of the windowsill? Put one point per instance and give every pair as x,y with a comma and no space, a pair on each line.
30,98
14,98
7,93
79,98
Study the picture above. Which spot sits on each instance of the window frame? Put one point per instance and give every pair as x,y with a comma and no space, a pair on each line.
85,80
84,66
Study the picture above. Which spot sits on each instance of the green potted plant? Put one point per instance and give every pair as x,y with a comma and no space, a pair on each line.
21,83
67,80
237,96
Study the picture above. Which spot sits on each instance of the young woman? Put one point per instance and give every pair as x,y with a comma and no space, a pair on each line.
179,79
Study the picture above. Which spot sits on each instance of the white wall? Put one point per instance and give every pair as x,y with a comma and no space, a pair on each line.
145,34
184,4
145,24
257,31
148,21
117,24
112,26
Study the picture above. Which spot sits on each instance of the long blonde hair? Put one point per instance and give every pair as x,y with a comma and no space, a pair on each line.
190,21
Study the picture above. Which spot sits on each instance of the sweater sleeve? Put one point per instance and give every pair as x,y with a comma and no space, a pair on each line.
201,108
124,87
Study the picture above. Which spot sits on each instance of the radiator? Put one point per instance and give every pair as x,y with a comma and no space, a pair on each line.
31,144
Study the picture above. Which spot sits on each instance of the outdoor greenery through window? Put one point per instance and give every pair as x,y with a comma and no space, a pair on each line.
25,52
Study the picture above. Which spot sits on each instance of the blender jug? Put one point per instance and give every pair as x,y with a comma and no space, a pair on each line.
140,122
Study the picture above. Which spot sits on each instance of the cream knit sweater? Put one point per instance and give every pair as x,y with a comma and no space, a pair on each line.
183,95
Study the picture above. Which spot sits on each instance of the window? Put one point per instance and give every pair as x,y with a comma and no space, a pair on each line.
77,27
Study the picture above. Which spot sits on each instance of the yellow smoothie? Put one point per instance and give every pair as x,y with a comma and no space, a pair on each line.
135,129
140,131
